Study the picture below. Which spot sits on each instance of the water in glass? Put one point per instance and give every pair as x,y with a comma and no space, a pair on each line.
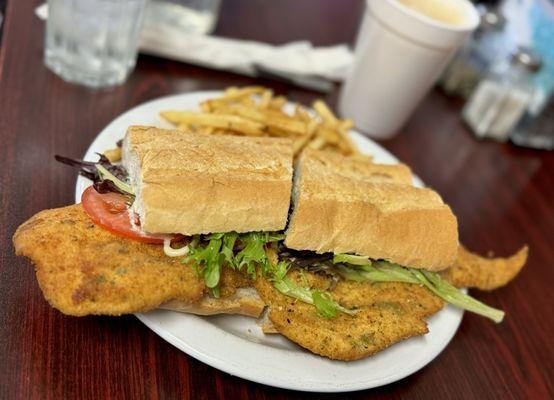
93,42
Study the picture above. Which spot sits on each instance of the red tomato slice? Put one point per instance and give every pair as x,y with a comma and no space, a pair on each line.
110,211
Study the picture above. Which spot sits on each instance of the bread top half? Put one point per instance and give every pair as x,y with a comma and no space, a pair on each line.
176,151
344,205
193,183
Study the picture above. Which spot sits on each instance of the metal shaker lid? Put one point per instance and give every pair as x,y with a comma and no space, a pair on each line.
491,18
527,58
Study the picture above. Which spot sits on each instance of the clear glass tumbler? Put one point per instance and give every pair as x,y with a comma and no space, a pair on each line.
93,42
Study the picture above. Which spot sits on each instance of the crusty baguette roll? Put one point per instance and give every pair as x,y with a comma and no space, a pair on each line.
373,211
192,184
332,165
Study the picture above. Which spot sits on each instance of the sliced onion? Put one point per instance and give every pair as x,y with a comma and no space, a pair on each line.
171,252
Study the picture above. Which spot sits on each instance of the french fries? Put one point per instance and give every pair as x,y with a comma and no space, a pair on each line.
224,121
255,111
113,155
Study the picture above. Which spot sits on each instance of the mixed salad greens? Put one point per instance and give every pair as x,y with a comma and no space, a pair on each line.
250,252
362,269
105,176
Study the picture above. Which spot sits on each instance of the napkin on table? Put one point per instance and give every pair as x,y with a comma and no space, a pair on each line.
296,59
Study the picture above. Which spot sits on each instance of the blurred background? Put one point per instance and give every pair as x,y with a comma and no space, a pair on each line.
502,76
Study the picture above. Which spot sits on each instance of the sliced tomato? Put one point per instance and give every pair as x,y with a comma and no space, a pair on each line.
110,211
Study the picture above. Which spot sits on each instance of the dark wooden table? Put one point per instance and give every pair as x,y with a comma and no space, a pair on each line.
503,196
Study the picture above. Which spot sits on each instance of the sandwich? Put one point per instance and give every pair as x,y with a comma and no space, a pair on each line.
363,221
226,192
375,256
112,254
343,205
346,256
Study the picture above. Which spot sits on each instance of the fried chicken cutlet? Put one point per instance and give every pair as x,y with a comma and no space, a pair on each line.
386,312
84,269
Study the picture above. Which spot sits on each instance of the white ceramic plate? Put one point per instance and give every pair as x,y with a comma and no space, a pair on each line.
236,344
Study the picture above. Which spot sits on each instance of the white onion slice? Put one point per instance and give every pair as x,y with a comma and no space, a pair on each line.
171,252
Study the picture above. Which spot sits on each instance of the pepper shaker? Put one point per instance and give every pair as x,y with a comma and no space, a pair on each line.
502,98
473,60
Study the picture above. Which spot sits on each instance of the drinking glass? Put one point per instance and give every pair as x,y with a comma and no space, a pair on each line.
93,42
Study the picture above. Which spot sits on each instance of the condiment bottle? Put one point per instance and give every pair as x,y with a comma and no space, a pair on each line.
502,98
473,60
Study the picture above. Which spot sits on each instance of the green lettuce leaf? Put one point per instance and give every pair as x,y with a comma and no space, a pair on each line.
253,254
227,247
323,302
452,295
107,175
326,306
208,261
383,271
274,237
351,259
289,288
379,272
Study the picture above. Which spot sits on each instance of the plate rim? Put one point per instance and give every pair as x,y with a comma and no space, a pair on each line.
220,364
360,385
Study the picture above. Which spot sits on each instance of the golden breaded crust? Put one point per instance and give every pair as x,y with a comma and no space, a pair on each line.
387,313
84,269
231,280
381,304
415,299
475,271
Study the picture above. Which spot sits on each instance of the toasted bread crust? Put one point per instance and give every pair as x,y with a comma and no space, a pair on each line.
331,164
386,313
379,217
485,273
83,269
192,184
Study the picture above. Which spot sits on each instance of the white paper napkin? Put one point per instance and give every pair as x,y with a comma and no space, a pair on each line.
296,58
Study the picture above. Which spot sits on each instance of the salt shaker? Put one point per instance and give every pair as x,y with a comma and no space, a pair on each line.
473,60
503,96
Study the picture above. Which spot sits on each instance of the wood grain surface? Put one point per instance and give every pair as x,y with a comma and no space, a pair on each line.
503,196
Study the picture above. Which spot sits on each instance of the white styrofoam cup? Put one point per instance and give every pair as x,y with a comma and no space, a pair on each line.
399,55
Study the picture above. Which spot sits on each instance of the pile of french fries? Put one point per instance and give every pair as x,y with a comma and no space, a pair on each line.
255,111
